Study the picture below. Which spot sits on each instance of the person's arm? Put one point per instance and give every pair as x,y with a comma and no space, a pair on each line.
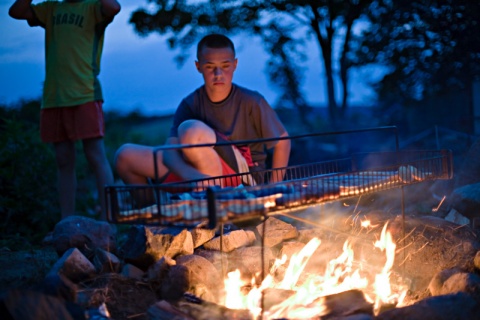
21,10
110,8
281,154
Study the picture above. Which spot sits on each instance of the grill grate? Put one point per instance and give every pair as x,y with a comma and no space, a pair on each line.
205,203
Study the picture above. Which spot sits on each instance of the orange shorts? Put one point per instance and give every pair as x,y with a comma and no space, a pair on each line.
72,123
234,181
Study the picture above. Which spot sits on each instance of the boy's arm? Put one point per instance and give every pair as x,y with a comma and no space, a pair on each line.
22,10
110,8
281,154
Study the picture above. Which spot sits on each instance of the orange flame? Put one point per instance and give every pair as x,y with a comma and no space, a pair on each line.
307,299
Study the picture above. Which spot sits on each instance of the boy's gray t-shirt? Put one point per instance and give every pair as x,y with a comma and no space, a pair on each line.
244,115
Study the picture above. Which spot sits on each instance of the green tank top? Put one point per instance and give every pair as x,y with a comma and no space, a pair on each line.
74,33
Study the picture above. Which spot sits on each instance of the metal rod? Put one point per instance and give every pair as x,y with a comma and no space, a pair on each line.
245,142
403,228
262,252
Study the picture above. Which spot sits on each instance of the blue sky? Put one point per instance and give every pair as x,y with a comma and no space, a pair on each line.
140,73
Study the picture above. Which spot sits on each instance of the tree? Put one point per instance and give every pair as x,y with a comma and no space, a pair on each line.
430,47
285,28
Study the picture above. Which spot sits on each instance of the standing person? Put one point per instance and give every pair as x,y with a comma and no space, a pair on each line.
218,110
72,96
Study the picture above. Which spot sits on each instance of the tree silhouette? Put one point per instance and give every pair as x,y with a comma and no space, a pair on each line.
285,28
430,47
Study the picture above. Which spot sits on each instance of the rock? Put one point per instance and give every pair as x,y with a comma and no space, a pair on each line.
181,244
159,269
195,275
439,279
201,235
105,261
74,265
143,248
276,231
462,282
132,272
476,260
249,261
85,234
231,241
466,200
59,286
217,258
469,172
455,217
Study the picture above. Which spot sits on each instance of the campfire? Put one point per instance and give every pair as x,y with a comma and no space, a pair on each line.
350,261
306,294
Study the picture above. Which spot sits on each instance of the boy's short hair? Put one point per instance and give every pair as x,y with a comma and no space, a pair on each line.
215,41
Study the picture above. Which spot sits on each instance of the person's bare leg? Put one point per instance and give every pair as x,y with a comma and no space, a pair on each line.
67,179
204,159
95,153
134,164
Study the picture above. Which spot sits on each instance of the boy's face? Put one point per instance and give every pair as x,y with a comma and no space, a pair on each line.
217,66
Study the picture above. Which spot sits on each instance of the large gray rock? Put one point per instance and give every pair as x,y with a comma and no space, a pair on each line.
201,235
249,261
231,241
466,200
436,284
469,172
106,262
85,234
193,274
74,265
276,231
462,282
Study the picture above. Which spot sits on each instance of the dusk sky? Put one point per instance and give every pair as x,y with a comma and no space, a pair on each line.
140,73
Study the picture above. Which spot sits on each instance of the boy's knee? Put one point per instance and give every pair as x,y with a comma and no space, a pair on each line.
122,155
195,132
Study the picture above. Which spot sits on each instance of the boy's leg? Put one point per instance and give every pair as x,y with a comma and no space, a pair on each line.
67,180
204,159
134,163
95,153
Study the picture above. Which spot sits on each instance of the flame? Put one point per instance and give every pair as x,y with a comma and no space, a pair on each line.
307,300
382,280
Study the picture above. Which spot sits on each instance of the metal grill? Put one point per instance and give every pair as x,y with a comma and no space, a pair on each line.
206,203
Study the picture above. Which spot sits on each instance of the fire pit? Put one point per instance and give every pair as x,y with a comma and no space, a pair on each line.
206,204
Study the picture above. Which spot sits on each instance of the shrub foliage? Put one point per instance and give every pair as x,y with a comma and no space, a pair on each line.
27,180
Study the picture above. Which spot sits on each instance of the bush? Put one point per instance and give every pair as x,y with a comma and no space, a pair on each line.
28,197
